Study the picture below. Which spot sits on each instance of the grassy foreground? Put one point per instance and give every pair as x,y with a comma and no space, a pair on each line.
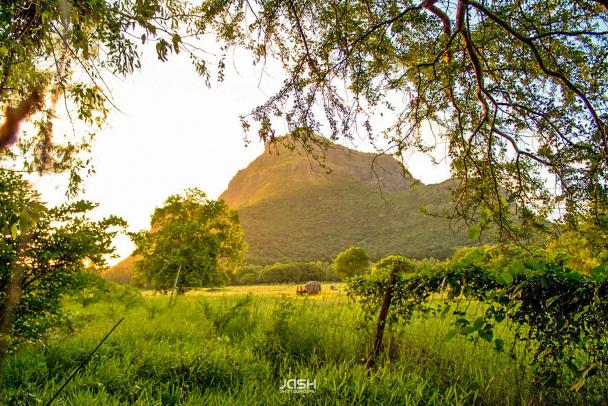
237,345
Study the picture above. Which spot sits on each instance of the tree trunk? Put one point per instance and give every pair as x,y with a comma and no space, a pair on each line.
179,269
13,293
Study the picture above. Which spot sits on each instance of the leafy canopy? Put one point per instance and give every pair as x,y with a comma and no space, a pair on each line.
194,241
516,90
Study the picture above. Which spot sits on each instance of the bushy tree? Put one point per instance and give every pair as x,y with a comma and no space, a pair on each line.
584,244
194,241
353,261
40,250
293,272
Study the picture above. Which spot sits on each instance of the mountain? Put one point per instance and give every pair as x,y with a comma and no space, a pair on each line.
122,272
292,209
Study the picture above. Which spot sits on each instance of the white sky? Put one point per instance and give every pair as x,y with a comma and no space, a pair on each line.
173,132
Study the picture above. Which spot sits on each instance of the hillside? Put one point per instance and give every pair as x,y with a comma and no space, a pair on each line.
121,272
292,209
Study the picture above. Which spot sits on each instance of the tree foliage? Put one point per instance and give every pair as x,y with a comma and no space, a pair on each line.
40,250
516,89
292,272
583,241
193,241
65,50
352,261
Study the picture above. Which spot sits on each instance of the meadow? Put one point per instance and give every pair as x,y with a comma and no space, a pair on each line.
236,345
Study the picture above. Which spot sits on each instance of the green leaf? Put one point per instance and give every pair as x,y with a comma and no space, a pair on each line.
466,330
446,309
499,344
486,214
551,300
24,223
474,257
14,231
516,268
486,333
599,273
450,334
505,277
536,265
474,232
573,276
45,17
176,40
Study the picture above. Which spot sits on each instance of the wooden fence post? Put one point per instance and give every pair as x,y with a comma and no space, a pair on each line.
386,304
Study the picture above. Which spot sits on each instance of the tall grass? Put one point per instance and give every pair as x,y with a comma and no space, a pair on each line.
237,349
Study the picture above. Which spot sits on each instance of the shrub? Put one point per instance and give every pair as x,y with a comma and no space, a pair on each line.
562,315
246,275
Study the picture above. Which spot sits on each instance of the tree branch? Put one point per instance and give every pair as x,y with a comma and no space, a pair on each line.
549,72
445,20
372,29
302,36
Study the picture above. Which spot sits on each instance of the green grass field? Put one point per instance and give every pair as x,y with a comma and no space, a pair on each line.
335,291
236,345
